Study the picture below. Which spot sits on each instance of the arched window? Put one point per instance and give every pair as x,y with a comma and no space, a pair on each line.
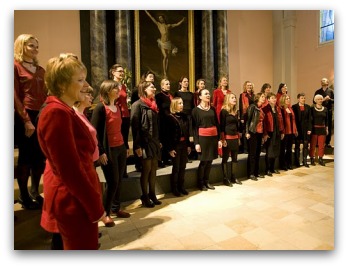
327,23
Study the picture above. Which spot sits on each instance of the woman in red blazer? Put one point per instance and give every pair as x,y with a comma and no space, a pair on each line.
72,202
219,95
290,132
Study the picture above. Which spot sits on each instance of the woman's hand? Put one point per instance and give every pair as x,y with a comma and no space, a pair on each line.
172,153
139,152
29,128
219,144
247,136
103,159
198,148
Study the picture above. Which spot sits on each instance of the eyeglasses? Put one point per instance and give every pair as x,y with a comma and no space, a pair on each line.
120,71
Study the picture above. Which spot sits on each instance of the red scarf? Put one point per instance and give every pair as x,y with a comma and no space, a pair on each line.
167,94
151,103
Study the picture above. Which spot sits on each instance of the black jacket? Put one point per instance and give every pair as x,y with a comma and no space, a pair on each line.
177,126
145,129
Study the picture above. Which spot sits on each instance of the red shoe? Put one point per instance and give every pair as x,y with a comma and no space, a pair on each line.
108,222
122,214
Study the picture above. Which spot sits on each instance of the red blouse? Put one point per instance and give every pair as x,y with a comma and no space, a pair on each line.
122,101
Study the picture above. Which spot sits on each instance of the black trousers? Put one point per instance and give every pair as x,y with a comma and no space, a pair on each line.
179,166
254,151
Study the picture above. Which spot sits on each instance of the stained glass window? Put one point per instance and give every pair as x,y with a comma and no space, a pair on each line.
327,23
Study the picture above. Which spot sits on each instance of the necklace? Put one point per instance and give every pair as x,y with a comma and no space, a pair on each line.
29,62
319,109
204,108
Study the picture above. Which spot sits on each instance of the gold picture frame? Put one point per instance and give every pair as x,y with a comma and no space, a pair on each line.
149,50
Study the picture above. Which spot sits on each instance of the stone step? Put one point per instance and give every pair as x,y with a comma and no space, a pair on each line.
131,186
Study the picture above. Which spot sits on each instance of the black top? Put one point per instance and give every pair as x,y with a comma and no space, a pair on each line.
229,123
204,119
176,128
303,119
188,100
163,103
319,118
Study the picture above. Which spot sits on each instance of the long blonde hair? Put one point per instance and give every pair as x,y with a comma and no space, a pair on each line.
19,44
227,105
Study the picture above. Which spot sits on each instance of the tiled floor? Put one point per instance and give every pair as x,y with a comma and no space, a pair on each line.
290,211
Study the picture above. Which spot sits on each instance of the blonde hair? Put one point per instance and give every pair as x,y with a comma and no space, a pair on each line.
59,72
174,105
19,44
163,81
245,88
227,105
282,101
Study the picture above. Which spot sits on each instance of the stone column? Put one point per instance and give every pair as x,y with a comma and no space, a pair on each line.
99,66
290,53
123,41
222,43
207,49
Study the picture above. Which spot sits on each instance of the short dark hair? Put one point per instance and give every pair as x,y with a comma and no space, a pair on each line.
300,95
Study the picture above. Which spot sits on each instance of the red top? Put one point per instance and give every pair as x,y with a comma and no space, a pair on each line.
122,101
268,122
113,127
218,100
289,121
29,90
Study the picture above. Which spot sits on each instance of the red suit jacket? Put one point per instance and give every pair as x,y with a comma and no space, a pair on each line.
71,184
218,100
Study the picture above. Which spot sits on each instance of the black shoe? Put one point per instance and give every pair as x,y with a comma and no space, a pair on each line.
290,167
189,161
38,199
284,168
269,173
209,186
154,199
328,146
252,177
276,171
312,162
145,200
183,191
227,182
203,188
321,162
305,164
236,181
176,193
28,203
260,176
